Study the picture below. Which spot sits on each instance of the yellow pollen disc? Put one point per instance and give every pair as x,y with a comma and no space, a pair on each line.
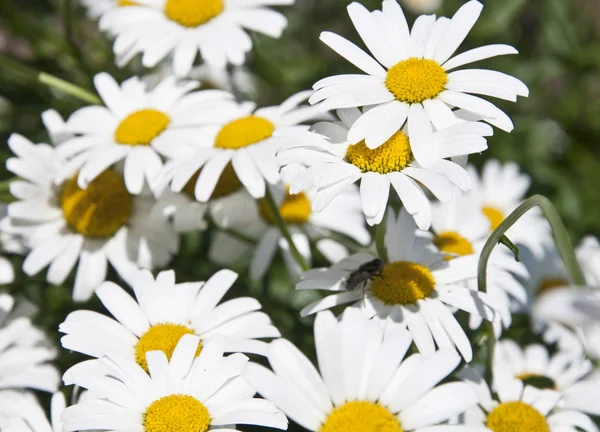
415,79
403,283
244,132
539,381
295,209
192,13
176,413
127,3
227,184
100,209
549,284
361,416
516,417
161,337
495,216
452,242
393,155
141,127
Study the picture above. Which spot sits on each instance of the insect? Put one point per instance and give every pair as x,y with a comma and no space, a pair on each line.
359,277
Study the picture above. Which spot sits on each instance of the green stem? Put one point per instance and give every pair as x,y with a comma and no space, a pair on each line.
563,244
285,232
512,247
67,87
380,239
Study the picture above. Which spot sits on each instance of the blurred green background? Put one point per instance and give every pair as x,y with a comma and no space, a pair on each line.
557,129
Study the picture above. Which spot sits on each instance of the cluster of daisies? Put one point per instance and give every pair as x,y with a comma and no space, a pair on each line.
406,348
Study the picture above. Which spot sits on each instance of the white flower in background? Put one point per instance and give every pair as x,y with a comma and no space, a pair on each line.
136,125
461,228
520,407
241,148
7,242
571,376
238,80
65,226
184,211
333,162
499,190
214,28
588,255
422,6
184,394
25,353
21,412
364,382
417,287
162,312
415,86
342,217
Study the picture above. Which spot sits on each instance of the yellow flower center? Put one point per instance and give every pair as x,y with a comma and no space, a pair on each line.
539,381
361,416
141,127
403,282
176,413
192,13
227,184
516,417
415,79
127,3
295,209
494,215
393,155
161,337
244,132
453,243
101,209
550,283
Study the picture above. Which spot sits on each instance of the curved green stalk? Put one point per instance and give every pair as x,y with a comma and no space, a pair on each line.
67,87
380,239
563,244
283,229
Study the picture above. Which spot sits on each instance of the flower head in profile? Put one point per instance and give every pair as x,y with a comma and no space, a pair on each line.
184,394
238,150
333,161
564,372
162,312
417,287
184,28
65,226
520,407
25,353
364,382
21,412
410,79
136,126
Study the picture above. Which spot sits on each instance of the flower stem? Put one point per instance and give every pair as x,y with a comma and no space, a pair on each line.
380,239
561,239
285,232
67,87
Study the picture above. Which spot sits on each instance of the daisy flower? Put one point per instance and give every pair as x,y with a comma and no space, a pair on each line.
62,224
183,28
342,217
21,412
417,287
364,382
161,313
136,125
560,372
334,161
414,85
519,407
240,149
184,394
499,190
460,228
25,353
588,255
